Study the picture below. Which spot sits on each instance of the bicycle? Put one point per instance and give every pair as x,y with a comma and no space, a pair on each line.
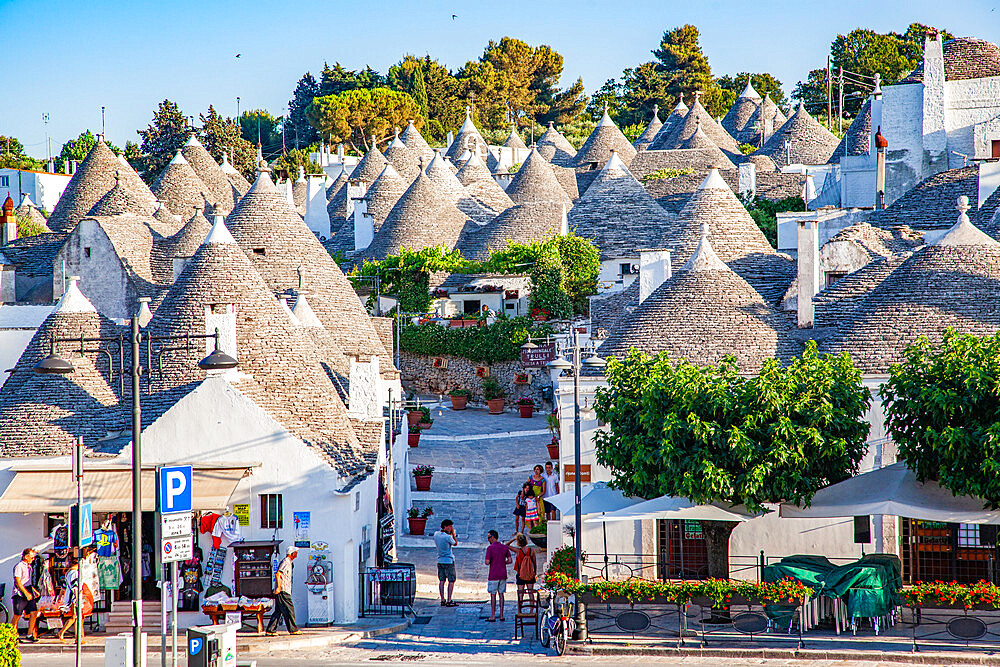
556,625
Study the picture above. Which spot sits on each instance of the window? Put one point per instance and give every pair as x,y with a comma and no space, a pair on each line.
258,251
86,252
833,276
5,180
995,152
471,307
270,510
625,269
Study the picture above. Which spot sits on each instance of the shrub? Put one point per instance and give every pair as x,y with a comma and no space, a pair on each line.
492,389
661,174
746,149
540,528
500,341
526,401
563,561
421,471
548,284
460,392
10,655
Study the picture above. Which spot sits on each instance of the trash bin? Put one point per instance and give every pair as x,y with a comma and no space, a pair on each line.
212,645
118,650
399,593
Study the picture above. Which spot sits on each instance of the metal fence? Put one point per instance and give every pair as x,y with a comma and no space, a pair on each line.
387,591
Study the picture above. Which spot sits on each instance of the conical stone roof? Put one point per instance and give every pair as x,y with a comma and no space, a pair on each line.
121,199
43,415
739,114
954,282
698,140
336,204
696,117
736,238
236,179
514,139
563,152
439,171
403,160
468,137
134,183
27,210
179,188
208,170
857,139
163,215
479,183
188,238
370,166
605,138
702,314
647,136
281,246
300,193
617,213
93,178
536,182
755,125
811,143
383,194
672,122
523,223
279,367
425,216
415,142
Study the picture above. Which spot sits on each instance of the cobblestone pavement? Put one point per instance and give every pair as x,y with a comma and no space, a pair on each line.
479,461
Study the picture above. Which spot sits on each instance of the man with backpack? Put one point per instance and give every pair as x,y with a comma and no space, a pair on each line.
525,568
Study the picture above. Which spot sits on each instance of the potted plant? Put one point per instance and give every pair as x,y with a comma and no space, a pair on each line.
552,421
494,394
418,519
539,534
413,437
425,418
459,398
527,407
553,448
414,416
423,476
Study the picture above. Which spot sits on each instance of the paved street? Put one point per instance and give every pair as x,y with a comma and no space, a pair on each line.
479,461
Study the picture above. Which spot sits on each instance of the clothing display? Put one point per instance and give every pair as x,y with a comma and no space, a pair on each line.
216,561
106,543
191,572
60,537
109,573
207,523
227,529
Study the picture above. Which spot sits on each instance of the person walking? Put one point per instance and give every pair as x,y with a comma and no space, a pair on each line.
537,482
25,596
497,557
551,489
445,539
283,605
525,568
521,508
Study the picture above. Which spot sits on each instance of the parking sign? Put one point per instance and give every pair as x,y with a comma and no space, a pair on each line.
174,484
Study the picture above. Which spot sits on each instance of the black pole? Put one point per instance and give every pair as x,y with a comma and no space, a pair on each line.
581,610
136,502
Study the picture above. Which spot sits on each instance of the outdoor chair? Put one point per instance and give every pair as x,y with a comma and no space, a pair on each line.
527,614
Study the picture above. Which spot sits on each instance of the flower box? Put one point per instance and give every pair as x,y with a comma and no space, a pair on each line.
526,410
413,439
522,378
439,362
482,371
455,323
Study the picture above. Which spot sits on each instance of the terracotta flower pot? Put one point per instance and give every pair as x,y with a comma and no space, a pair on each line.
456,323
495,405
553,448
424,425
412,439
458,402
413,417
417,524
423,482
526,411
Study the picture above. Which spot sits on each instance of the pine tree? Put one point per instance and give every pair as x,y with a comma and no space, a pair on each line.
222,135
418,90
303,134
162,139
683,65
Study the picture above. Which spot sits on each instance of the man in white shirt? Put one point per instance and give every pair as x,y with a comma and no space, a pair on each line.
551,489
25,596
283,606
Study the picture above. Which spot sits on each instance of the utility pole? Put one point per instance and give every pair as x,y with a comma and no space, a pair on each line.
840,100
48,147
829,96
237,108
102,124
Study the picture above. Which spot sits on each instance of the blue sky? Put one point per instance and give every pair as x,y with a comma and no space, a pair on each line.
71,58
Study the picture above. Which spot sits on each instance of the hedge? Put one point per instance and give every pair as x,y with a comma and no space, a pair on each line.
500,341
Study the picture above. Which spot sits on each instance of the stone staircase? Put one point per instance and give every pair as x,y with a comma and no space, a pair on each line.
120,618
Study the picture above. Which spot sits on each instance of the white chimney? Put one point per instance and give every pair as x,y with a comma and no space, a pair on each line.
355,190
748,179
365,389
449,141
654,270
808,270
317,217
809,188
564,222
144,314
221,317
364,225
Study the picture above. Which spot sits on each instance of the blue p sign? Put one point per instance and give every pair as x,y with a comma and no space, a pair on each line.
175,489
194,645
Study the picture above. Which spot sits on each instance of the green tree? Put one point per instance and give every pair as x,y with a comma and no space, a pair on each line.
354,116
12,155
302,133
28,227
714,435
260,125
162,139
335,80
77,149
222,135
942,409
408,76
548,284
763,83
291,160
685,68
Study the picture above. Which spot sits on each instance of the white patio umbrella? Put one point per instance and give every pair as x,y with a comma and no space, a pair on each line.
672,507
594,498
892,490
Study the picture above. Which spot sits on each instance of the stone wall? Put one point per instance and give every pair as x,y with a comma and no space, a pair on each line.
419,375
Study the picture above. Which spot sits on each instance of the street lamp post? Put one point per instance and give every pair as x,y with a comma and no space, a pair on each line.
561,364
53,364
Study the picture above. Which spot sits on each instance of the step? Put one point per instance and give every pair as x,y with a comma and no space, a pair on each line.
120,618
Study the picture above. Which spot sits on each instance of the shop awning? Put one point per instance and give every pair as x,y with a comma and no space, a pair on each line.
51,488
670,507
892,490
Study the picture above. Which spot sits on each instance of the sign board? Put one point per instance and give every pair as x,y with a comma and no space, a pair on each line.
242,513
175,549
539,356
174,489
301,521
175,525
388,574
569,470
88,525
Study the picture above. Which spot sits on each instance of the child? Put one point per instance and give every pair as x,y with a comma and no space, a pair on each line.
520,507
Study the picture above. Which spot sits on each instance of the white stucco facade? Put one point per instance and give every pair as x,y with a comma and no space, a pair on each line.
44,188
